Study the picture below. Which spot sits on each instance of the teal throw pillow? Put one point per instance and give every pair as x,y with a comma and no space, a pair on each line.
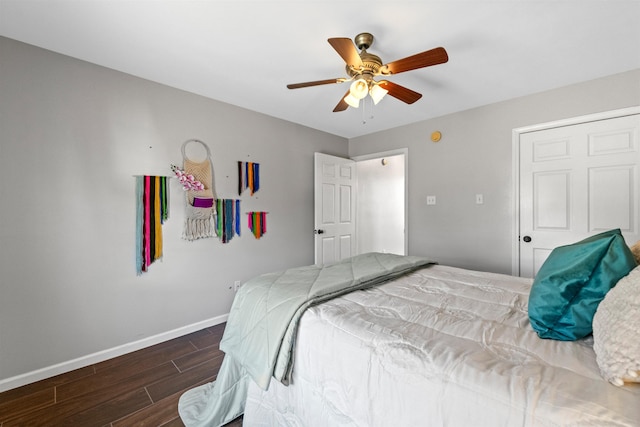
573,280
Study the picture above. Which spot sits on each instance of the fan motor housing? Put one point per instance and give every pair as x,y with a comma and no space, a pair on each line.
370,65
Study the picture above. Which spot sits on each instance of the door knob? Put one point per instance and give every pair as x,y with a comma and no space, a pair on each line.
527,239
318,231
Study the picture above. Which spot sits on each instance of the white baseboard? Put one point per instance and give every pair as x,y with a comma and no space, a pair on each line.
90,359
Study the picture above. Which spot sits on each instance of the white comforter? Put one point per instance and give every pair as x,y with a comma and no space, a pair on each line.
440,346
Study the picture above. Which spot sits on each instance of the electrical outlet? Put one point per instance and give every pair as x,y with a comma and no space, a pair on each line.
236,285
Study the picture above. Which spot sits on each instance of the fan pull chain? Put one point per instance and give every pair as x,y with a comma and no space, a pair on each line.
372,108
364,109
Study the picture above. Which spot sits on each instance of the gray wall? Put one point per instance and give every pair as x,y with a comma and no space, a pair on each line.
72,135
475,156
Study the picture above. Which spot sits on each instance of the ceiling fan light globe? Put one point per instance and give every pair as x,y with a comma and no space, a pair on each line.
352,101
359,88
377,93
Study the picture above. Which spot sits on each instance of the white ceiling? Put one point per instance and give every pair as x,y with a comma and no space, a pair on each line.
245,52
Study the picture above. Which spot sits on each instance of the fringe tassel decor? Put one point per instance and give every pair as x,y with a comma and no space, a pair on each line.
248,177
152,209
198,228
227,219
237,217
257,223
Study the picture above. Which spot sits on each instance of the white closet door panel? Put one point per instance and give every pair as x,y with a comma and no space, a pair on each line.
576,181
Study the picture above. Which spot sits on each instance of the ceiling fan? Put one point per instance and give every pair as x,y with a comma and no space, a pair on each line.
364,66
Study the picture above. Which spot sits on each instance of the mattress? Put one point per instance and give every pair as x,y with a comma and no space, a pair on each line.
438,346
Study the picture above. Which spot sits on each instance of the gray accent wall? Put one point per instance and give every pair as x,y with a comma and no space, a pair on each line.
72,137
473,157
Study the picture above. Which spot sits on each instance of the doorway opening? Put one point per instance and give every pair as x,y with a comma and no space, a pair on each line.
381,205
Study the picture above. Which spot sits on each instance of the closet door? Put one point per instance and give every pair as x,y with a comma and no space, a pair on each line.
576,181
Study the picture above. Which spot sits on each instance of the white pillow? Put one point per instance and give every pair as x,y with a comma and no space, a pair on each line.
635,250
616,331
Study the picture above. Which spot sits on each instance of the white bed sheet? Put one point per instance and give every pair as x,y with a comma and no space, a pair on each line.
440,346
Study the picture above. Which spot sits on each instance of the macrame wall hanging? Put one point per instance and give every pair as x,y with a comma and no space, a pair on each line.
257,223
197,181
152,210
248,177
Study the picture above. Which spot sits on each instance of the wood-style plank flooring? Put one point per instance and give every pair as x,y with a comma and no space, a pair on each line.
137,389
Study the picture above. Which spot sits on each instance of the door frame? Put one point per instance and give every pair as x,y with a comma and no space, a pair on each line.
380,155
515,162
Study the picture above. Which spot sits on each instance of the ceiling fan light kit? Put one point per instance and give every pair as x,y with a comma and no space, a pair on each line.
363,67
377,93
351,100
359,88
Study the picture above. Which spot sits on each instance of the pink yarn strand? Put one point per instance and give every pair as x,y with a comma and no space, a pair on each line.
147,221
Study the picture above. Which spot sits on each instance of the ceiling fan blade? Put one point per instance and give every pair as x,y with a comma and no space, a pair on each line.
419,60
347,50
315,83
400,92
342,105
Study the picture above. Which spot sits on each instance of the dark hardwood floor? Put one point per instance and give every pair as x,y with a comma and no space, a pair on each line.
137,389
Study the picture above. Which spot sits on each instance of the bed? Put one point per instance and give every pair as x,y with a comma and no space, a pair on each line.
417,344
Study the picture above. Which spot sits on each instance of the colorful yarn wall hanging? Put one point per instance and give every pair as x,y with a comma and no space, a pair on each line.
227,219
152,210
257,223
248,177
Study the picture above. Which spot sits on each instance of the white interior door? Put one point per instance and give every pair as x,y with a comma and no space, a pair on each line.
335,203
576,181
